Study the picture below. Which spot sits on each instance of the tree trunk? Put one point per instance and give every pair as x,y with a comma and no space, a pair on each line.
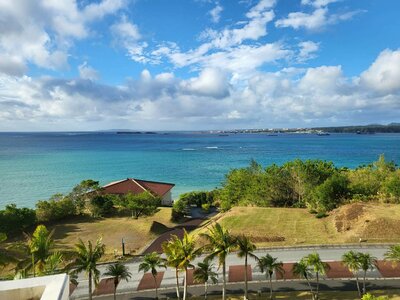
205,290
317,294
185,285
177,284
358,286
90,285
270,286
245,278
115,287
33,264
365,275
224,280
155,284
311,290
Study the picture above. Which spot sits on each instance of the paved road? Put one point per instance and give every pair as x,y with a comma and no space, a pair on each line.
284,254
254,287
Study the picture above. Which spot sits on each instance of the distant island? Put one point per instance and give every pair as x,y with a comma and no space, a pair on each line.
356,129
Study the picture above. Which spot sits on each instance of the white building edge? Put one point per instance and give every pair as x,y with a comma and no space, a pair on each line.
53,287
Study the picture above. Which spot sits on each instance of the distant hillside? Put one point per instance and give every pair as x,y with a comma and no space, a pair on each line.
365,129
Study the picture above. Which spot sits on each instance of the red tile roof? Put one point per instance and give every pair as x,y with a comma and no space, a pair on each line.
137,186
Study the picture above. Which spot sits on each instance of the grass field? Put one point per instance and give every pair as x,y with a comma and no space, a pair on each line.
391,294
292,226
137,233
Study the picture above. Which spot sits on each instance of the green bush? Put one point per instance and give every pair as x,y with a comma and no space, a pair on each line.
198,198
15,220
321,215
101,205
180,209
56,208
206,207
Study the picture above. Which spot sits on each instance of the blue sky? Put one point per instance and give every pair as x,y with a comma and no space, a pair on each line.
198,64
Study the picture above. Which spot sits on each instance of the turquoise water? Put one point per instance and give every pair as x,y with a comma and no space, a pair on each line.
34,166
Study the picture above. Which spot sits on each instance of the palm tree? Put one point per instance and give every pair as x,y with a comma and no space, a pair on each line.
40,245
367,262
119,272
186,252
53,263
351,261
151,262
86,260
393,254
204,273
170,249
221,243
302,270
246,248
269,265
314,261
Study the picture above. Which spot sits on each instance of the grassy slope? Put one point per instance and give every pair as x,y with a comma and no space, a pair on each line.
268,226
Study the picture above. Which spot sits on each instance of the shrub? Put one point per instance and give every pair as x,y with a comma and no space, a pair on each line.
101,205
179,210
15,220
321,215
197,198
56,208
206,207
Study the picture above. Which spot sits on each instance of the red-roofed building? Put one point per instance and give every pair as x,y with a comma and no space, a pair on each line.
137,186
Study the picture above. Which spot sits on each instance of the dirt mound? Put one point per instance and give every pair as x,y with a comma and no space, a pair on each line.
381,227
345,216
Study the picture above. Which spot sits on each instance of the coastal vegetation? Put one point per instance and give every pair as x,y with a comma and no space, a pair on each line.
317,185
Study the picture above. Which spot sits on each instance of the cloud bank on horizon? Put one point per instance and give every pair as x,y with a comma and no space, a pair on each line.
200,64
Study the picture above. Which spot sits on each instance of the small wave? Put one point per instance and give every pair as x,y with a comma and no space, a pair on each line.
188,149
212,147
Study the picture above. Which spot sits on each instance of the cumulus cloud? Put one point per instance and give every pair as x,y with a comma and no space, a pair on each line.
210,82
384,74
315,96
41,32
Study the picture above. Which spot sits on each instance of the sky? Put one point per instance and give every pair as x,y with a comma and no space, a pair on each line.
197,64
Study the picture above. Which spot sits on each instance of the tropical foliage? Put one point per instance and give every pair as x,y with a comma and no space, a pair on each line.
220,244
245,249
151,263
86,259
315,184
118,272
204,274
270,265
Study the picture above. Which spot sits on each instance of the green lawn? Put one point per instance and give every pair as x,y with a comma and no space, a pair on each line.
375,223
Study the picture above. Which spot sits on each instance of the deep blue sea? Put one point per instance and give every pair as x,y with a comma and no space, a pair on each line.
34,166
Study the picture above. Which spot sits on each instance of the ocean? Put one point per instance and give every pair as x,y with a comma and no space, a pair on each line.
34,166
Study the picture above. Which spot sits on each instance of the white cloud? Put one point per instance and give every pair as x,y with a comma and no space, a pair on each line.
384,74
290,97
307,50
210,82
87,72
41,32
318,3
316,20
215,13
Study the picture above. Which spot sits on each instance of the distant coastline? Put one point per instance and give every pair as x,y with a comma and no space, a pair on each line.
356,129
